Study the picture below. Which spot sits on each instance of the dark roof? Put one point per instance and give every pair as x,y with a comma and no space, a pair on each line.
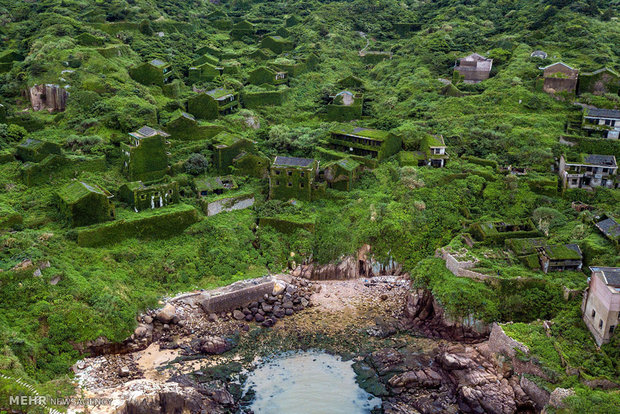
147,131
599,159
293,161
603,113
609,227
611,275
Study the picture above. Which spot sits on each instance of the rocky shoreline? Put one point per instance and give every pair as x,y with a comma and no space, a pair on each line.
186,358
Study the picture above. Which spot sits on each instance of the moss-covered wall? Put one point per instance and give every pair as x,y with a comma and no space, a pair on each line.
203,73
262,75
343,112
146,162
252,165
60,167
392,145
202,106
598,83
185,129
290,182
90,209
150,197
223,157
36,153
152,224
276,46
254,100
147,74
9,218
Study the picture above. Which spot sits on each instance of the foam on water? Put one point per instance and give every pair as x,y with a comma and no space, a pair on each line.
308,383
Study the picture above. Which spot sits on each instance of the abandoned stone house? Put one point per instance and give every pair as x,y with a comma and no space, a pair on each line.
145,157
603,123
214,103
277,44
609,227
214,185
601,303
155,72
474,68
364,142
599,82
559,77
227,147
48,97
34,150
340,174
140,196
264,75
345,106
536,253
589,171
292,178
434,151
496,232
82,204
204,72
559,257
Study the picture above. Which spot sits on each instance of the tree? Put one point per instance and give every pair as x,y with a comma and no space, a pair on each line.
196,164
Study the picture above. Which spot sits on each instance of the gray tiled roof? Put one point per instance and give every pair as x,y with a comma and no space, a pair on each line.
158,63
603,113
293,161
598,159
147,131
611,275
609,227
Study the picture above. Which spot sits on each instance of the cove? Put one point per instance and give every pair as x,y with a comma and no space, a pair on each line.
307,383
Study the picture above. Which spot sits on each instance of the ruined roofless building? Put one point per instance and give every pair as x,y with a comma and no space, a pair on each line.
474,68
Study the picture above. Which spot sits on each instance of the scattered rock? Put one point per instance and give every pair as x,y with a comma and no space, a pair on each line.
166,314
238,315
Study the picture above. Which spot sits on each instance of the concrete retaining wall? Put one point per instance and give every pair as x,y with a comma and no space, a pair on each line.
459,268
500,343
237,294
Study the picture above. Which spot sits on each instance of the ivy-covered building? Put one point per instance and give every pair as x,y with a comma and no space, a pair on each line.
364,142
536,253
345,106
82,204
34,150
292,177
204,72
341,174
140,196
601,123
264,75
251,165
496,232
145,157
214,185
559,77
155,72
474,68
589,171
184,126
264,95
241,29
434,151
213,103
599,82
277,44
227,147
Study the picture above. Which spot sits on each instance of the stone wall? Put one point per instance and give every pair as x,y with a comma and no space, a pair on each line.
52,98
500,343
460,268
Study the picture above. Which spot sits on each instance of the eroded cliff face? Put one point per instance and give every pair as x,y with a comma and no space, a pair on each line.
50,97
423,313
350,267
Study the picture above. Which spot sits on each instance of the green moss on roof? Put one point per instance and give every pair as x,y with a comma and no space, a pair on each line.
375,134
226,138
348,164
77,190
220,92
562,252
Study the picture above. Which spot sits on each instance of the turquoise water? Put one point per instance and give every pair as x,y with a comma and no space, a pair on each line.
308,383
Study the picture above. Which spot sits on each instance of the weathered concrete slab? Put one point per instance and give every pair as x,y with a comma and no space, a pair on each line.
238,294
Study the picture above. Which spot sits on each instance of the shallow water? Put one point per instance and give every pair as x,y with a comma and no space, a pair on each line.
308,383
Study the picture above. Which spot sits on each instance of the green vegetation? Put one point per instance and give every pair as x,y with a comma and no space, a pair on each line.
127,64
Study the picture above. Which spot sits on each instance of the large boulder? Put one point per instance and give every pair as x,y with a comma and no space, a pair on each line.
166,314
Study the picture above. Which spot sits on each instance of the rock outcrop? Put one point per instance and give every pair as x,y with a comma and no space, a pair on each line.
52,98
456,378
424,313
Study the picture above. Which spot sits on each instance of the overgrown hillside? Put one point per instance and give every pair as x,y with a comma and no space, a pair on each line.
56,292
